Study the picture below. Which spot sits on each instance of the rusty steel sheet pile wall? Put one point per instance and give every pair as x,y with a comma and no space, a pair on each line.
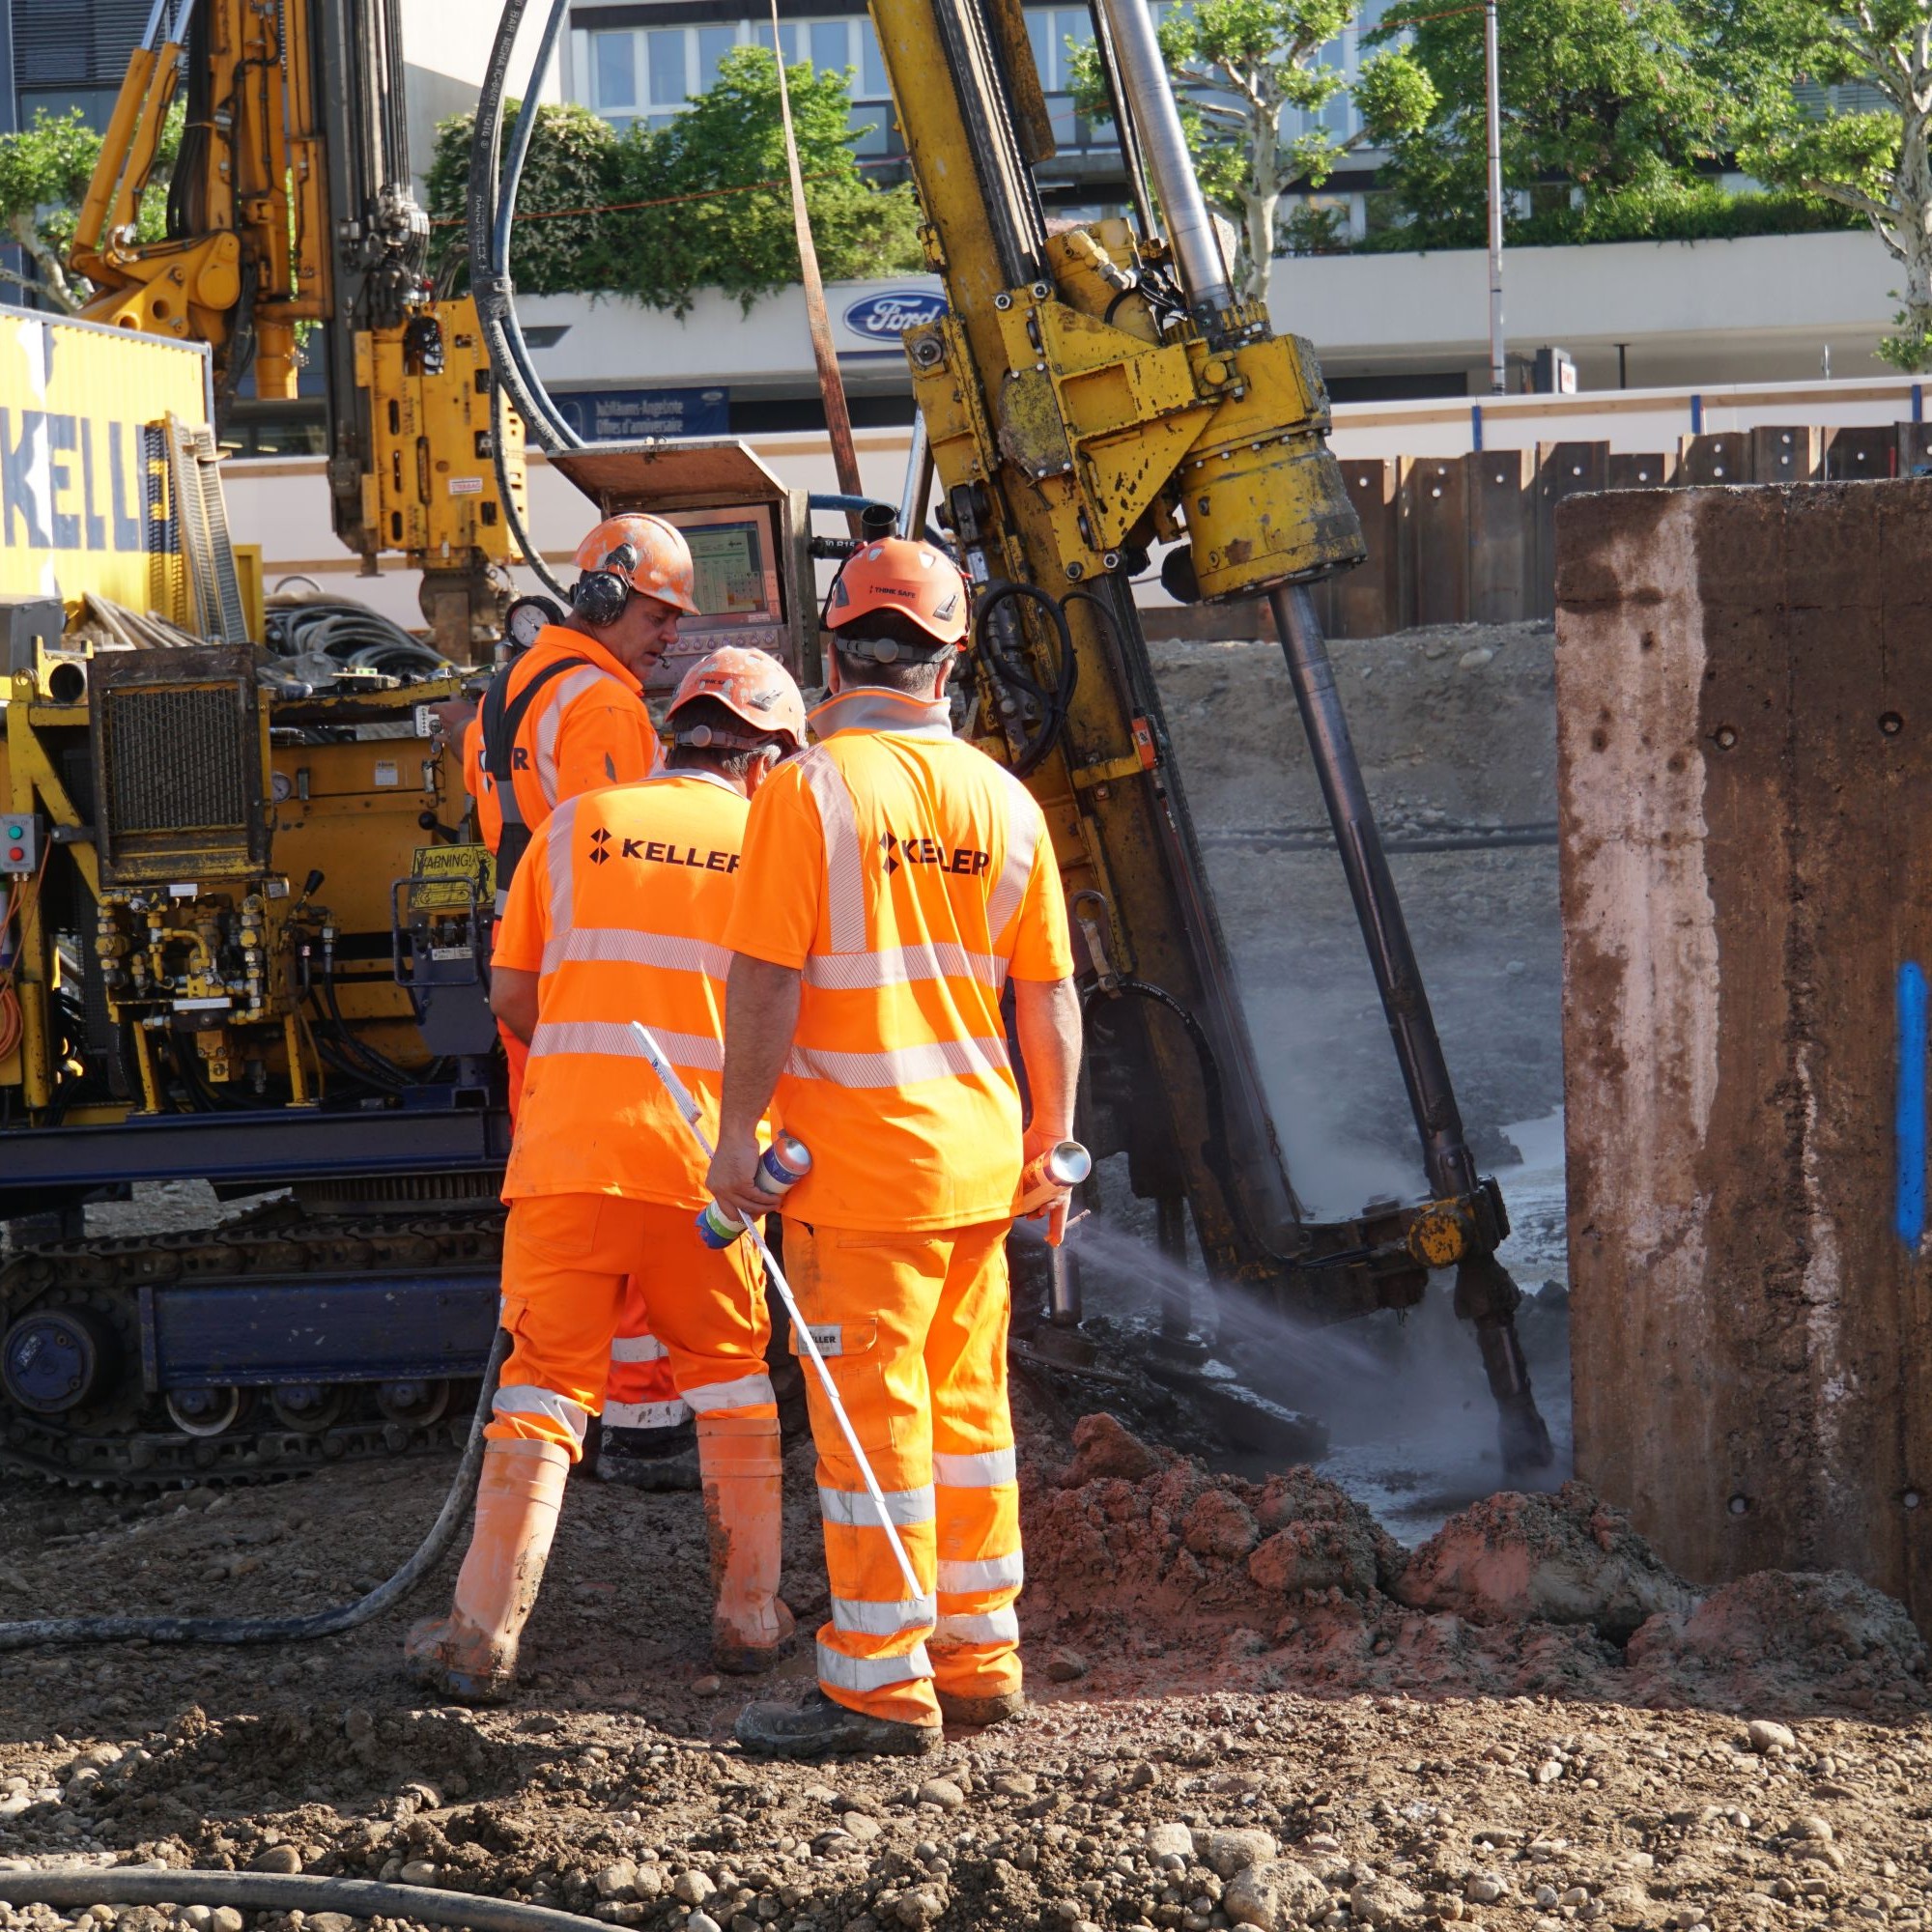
1745,771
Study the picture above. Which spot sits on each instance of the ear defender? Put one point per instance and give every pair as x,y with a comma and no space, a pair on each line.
601,596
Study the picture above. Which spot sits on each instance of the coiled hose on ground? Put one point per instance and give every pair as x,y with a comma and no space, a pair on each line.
358,1898
352,634
284,1629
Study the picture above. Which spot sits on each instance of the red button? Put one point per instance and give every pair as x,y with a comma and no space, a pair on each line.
16,852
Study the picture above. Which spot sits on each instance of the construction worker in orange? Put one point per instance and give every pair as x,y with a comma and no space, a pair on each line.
894,879
564,717
617,914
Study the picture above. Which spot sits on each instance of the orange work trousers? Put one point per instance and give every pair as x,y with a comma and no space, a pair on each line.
913,1327
567,1259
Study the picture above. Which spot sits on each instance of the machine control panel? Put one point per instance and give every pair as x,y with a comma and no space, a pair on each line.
22,837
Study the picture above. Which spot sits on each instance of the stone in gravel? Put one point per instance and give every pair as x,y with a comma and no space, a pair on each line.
943,1792
1276,1895
1232,1851
1015,1784
1766,1737
328,1921
1174,1838
692,1888
1816,1827
1220,1524
921,1906
1485,1888
199,1916
1064,1665
1384,1902
283,1859
618,1881
1565,1558
702,1921
419,1871
861,1827
709,1684
225,1918
1475,658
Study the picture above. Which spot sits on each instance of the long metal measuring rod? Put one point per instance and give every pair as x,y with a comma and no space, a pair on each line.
687,1106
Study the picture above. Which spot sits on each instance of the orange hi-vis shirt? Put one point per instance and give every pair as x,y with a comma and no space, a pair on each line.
620,906
587,728
482,790
906,874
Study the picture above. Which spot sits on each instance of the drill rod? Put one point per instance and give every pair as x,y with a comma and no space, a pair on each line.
1485,1293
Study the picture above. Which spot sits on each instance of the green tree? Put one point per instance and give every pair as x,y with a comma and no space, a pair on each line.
1241,64
722,218
1601,100
573,164
1782,54
45,169
698,203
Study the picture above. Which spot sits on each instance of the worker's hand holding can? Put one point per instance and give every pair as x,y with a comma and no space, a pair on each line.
733,1179
1054,1167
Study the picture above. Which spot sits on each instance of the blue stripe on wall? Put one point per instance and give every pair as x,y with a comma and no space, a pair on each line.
1909,1121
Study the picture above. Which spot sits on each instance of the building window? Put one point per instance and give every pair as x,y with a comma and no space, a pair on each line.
670,86
761,33
832,46
614,70
713,45
872,82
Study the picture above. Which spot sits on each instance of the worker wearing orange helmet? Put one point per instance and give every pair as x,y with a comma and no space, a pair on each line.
563,717
618,913
894,879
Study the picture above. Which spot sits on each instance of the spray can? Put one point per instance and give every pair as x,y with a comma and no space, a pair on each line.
1065,1164
781,1168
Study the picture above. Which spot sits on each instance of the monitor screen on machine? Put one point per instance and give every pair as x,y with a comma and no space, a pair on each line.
729,568
735,555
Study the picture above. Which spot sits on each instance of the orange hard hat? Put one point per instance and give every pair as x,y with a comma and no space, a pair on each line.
752,685
922,583
659,564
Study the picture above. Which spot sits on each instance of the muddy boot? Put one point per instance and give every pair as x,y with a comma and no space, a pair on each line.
982,1711
744,1499
654,1460
470,1654
820,1727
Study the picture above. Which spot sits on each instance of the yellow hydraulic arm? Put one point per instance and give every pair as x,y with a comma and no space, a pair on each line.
290,209
1089,394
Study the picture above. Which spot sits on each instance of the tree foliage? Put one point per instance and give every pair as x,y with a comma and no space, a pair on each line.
1243,64
1601,101
1877,163
691,205
45,169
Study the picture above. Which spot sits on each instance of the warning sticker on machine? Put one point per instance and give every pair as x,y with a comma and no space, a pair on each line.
450,878
466,485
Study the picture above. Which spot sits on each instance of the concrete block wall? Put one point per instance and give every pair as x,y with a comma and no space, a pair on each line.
1471,538
1744,746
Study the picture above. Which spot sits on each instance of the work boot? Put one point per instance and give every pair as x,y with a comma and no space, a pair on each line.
654,1460
821,1727
980,1711
742,1471
470,1654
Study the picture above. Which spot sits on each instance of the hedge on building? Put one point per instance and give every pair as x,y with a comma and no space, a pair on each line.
658,214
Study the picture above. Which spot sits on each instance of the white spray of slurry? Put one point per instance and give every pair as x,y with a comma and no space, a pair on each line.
1414,1429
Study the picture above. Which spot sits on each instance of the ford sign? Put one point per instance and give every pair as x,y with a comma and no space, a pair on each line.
887,316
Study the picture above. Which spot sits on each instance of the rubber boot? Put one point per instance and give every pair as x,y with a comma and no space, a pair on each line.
981,1712
822,1727
742,1474
470,1654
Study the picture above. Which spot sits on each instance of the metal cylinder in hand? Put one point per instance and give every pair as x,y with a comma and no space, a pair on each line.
1065,1164
781,1168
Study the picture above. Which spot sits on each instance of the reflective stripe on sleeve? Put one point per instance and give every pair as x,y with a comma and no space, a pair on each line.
871,1673
989,1627
838,824
644,1415
747,1392
696,1051
623,946
528,1398
637,1348
903,966
983,1471
994,1572
1022,838
550,724
558,829
861,1616
854,1508
895,1066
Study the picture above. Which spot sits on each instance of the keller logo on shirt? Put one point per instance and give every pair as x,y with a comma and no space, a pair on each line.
919,851
662,852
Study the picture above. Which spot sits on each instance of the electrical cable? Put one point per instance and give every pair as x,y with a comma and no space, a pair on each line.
289,1629
360,1898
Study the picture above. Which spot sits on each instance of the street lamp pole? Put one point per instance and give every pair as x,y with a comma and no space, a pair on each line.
1498,368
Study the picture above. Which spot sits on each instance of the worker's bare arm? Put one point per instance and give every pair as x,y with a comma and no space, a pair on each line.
513,999
761,1018
1046,1015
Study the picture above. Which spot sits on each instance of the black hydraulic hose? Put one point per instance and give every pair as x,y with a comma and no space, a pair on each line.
839,500
285,1630
522,537
355,1897
1055,702
1213,1092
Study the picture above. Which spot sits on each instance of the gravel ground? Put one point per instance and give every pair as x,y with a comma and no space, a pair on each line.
1253,1704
